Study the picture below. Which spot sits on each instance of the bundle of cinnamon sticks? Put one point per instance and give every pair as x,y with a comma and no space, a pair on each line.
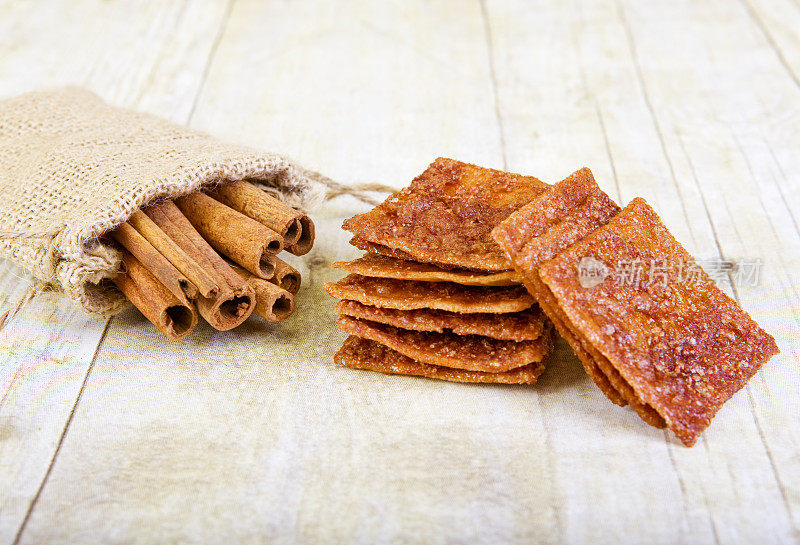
212,253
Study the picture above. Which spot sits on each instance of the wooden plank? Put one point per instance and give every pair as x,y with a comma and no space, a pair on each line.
257,425
774,35
357,84
562,112
604,83
17,288
254,433
646,168
144,55
42,373
778,21
701,116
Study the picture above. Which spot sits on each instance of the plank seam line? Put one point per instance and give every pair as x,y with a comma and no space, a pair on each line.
549,458
8,314
64,432
11,384
704,440
646,97
684,494
749,391
691,165
766,141
767,215
487,27
601,121
211,54
770,457
682,485
720,253
608,148
751,400
587,89
771,41
780,188
154,67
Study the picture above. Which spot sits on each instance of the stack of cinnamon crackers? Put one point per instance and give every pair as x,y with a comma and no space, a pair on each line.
435,296
439,296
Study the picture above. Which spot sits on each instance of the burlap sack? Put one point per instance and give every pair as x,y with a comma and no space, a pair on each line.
73,168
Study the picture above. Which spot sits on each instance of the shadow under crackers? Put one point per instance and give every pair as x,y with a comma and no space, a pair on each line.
564,370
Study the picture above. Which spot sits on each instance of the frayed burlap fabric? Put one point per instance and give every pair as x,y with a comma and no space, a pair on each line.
73,168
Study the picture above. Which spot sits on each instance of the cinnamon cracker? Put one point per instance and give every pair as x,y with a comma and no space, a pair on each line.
382,266
470,352
372,247
358,353
413,294
527,239
527,325
597,366
682,344
555,206
446,215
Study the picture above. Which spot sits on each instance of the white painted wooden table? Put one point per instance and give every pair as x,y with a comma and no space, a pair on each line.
111,434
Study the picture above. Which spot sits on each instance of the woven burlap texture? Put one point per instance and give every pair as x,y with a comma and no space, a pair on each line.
73,168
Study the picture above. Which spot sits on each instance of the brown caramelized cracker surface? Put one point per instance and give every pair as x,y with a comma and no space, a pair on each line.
386,267
552,207
360,353
412,294
516,326
447,213
380,249
682,344
470,352
553,221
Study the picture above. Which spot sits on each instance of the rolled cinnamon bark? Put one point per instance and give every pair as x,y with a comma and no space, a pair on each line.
296,228
158,265
235,299
272,302
306,240
233,234
167,247
174,316
286,276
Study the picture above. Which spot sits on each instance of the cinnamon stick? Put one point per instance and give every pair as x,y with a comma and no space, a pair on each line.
158,265
235,299
296,228
242,239
272,302
306,240
286,276
175,316
192,270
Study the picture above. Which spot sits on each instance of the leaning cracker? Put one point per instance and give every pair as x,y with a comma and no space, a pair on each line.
470,352
411,294
598,367
382,266
358,353
550,223
556,219
527,325
447,213
684,346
